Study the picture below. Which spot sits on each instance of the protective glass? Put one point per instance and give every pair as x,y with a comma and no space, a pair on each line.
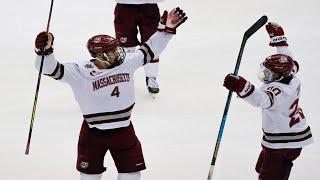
114,57
265,75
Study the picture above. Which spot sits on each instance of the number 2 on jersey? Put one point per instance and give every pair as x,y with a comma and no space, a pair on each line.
115,92
296,114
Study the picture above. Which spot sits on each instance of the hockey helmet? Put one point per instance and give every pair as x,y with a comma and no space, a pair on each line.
275,68
106,48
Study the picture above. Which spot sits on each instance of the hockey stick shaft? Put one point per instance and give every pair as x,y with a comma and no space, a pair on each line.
34,108
257,25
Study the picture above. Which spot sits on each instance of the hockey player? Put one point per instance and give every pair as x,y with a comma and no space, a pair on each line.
285,130
131,15
104,90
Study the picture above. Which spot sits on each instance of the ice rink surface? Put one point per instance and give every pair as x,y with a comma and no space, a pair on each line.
178,129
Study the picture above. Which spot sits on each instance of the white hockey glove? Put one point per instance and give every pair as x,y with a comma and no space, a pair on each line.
170,22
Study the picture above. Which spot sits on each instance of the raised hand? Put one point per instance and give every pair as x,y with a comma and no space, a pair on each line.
170,22
43,43
276,34
238,84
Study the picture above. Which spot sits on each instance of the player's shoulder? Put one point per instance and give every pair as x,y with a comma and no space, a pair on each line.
295,81
137,54
83,67
133,58
276,88
129,57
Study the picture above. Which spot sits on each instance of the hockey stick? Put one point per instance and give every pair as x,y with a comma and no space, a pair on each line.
257,25
37,88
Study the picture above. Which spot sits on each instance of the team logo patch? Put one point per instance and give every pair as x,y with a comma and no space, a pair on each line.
123,39
97,40
84,165
283,60
93,73
88,66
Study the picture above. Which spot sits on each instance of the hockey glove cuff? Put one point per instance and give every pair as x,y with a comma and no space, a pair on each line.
276,34
239,85
247,90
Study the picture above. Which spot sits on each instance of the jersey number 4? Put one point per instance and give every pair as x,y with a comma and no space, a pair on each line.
115,92
296,114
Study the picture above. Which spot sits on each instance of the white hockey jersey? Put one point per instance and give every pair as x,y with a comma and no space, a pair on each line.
138,1
105,96
283,122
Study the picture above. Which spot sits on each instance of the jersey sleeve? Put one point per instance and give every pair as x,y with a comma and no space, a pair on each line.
67,72
154,46
268,96
134,60
260,98
285,50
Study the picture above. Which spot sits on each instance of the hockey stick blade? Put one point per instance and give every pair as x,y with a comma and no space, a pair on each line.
249,32
257,25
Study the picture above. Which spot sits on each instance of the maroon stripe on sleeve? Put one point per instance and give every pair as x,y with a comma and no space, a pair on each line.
55,70
149,50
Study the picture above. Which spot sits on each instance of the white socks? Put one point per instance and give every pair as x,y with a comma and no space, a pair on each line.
90,176
129,176
121,176
151,69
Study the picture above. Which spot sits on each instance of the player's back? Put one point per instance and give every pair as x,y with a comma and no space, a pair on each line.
284,123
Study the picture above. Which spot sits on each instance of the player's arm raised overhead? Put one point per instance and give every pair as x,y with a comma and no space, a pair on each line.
52,67
169,22
279,40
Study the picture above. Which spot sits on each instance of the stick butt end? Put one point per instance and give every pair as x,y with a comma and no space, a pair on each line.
27,149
